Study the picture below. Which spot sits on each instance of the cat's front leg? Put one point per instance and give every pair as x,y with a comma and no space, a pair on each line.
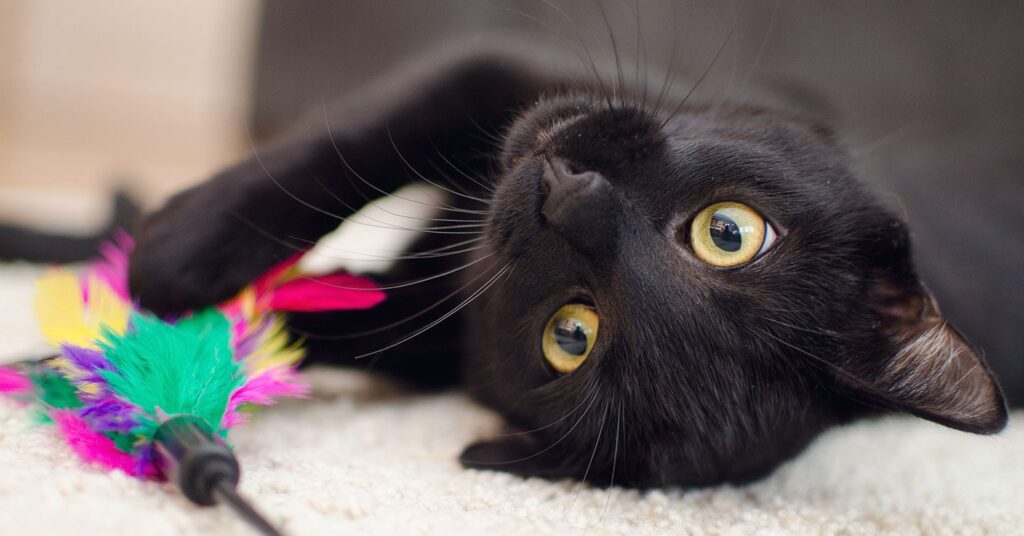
210,241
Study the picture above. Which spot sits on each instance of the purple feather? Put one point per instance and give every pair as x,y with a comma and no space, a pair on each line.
90,362
86,359
110,415
246,344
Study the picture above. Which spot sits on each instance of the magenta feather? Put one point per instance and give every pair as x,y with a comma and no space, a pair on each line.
93,446
13,382
262,390
326,293
112,266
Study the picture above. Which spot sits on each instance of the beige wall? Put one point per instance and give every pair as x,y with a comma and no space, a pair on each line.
153,93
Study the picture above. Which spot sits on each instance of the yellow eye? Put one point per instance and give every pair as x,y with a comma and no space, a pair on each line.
569,336
730,234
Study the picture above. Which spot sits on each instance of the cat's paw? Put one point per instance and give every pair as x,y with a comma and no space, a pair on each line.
195,251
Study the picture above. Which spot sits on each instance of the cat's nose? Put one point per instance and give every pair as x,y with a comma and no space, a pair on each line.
578,203
569,190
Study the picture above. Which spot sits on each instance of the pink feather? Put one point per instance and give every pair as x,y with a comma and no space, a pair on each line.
332,292
112,267
91,445
13,382
272,277
261,390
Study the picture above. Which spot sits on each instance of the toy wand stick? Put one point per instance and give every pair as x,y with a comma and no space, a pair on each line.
203,468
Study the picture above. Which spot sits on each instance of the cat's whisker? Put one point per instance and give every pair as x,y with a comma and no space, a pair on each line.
615,461
504,271
405,284
452,230
490,138
790,365
454,226
549,425
587,61
356,256
592,396
800,328
301,249
356,174
421,312
617,89
764,45
289,193
639,50
378,206
908,130
444,251
475,180
424,177
725,95
798,349
310,243
356,215
267,234
673,63
590,463
356,218
641,59
590,58
440,229
444,174
828,366
706,72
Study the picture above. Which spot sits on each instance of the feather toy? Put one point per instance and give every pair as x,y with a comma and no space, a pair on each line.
156,398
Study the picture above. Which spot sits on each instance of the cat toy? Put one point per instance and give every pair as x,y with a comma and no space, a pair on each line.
156,397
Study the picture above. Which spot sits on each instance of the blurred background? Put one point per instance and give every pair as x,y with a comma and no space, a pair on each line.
929,96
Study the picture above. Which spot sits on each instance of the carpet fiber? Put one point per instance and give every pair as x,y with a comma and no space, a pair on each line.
362,457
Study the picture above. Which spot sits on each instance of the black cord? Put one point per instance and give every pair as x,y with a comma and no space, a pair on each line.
226,493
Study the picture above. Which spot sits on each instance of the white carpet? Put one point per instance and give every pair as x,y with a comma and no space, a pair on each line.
362,458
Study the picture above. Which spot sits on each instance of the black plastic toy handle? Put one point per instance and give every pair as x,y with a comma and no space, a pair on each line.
203,467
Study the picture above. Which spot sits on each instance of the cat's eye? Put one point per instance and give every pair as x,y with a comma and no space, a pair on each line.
569,337
730,234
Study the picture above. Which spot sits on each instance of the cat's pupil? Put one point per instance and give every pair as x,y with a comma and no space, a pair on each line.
570,337
726,234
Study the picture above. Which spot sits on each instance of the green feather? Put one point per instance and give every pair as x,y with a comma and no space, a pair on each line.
124,442
183,368
54,391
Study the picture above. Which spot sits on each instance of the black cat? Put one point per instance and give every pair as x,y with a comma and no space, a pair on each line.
652,292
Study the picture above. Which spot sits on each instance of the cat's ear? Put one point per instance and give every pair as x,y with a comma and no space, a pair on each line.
516,453
930,370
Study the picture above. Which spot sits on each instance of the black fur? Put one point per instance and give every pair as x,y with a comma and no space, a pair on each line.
700,375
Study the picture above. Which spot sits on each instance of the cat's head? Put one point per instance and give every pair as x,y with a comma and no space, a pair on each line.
692,298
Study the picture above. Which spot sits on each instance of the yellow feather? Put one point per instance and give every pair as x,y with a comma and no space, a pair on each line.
60,309
105,309
274,350
63,316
